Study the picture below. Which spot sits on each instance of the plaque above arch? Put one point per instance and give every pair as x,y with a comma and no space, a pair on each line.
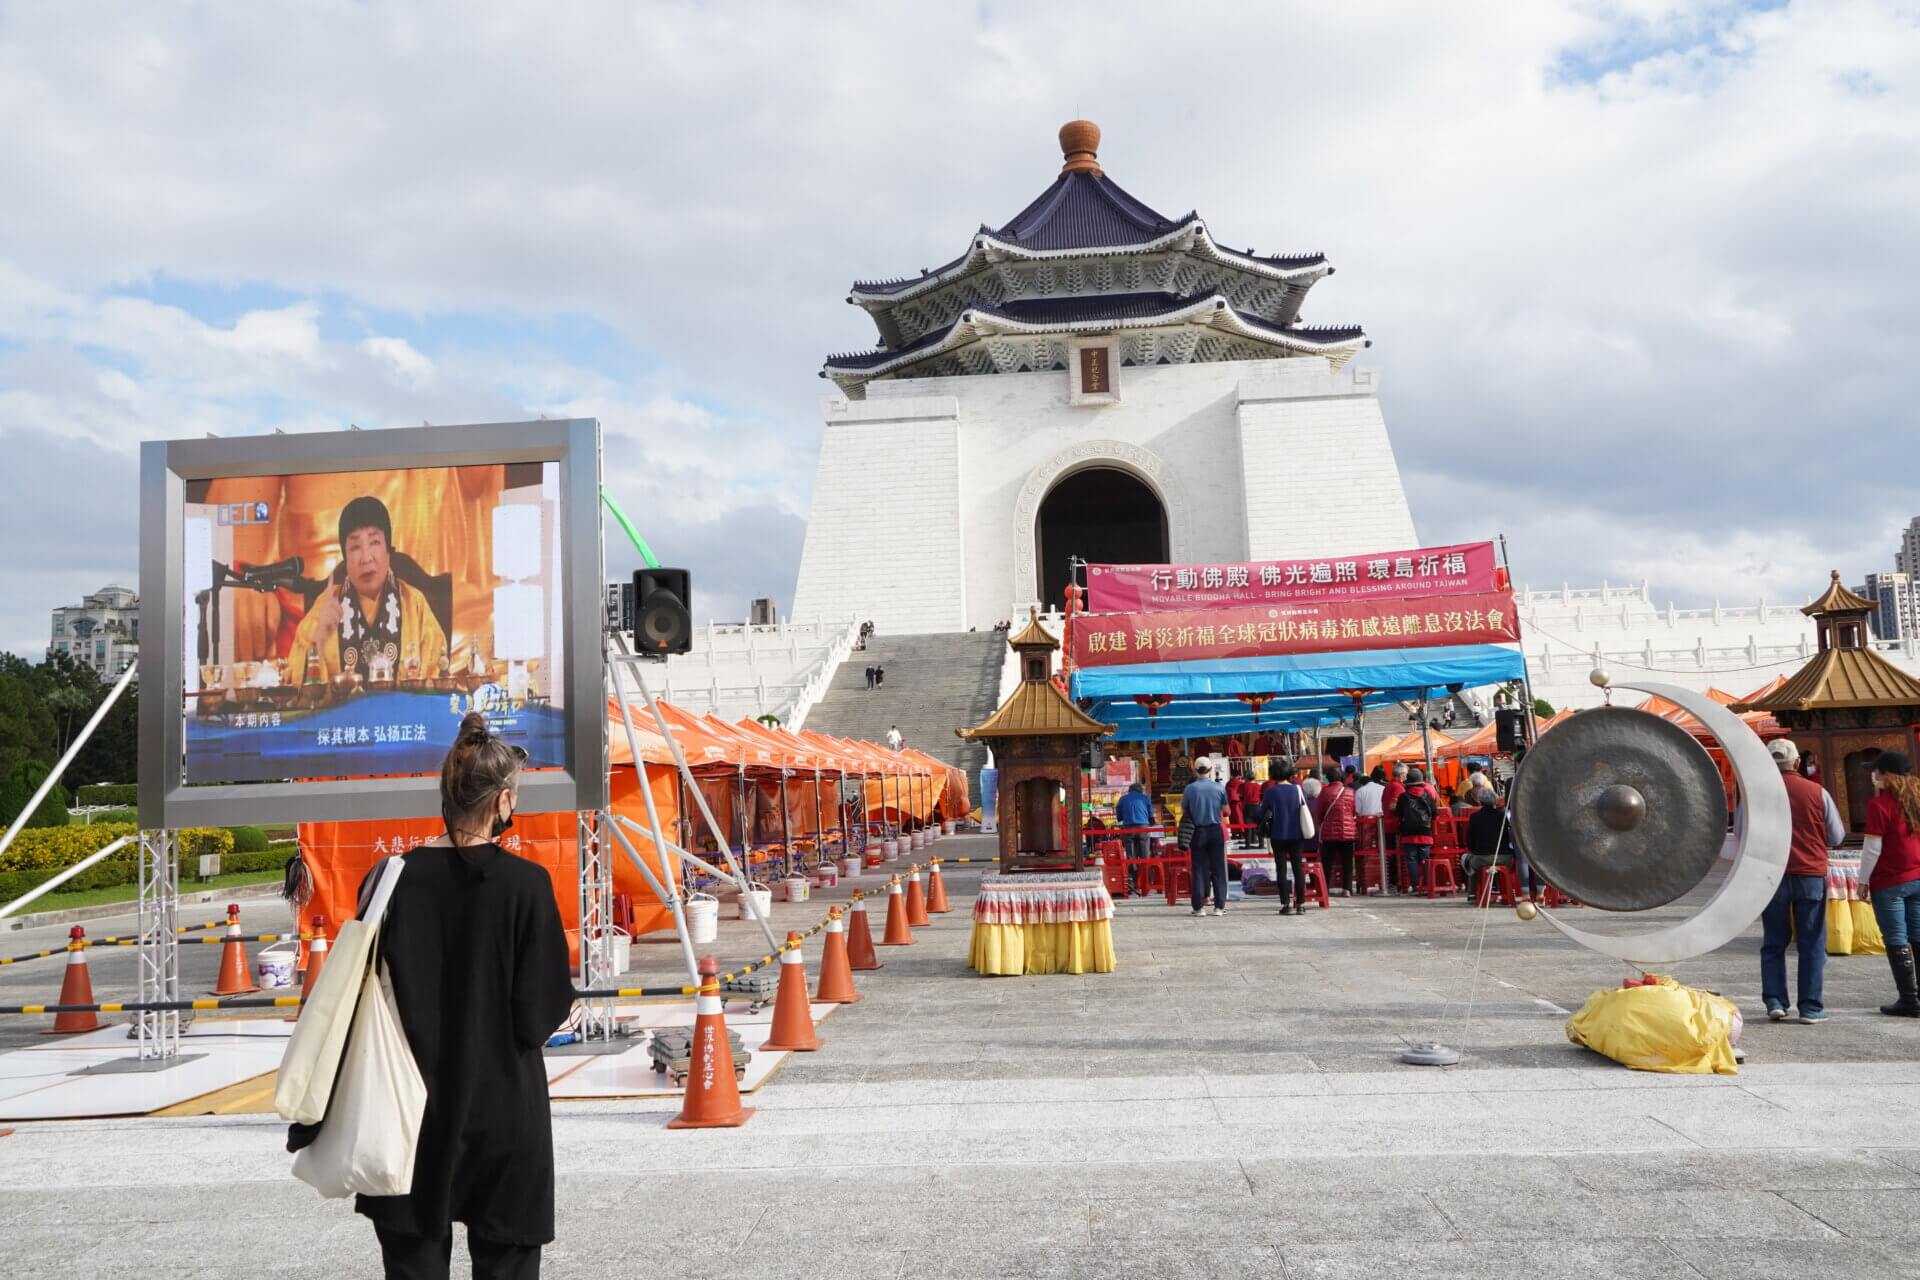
1142,464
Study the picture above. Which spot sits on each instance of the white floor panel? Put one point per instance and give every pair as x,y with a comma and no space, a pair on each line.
226,1061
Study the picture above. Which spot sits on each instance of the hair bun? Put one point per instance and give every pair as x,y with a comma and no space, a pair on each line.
473,728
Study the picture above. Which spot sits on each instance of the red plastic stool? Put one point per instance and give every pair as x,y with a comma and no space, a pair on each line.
1439,868
1314,881
1554,898
1366,870
1496,874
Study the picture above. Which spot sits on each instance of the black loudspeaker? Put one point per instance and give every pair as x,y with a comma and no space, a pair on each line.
1509,728
662,623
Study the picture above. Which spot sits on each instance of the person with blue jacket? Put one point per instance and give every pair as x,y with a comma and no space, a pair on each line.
1135,810
1280,807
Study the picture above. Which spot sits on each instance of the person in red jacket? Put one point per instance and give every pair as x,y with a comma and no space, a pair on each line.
1799,905
1333,815
1250,793
1890,867
1390,810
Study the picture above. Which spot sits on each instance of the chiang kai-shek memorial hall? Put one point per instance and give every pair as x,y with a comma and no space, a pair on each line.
1089,378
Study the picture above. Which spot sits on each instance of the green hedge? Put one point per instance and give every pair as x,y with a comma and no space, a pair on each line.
51,848
18,788
99,793
249,840
123,868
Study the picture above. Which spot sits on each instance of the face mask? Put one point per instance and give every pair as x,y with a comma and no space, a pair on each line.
501,825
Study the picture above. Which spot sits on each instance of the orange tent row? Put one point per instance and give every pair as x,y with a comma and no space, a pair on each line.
776,794
1760,722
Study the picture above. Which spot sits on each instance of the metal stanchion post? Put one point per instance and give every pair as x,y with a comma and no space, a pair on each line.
596,925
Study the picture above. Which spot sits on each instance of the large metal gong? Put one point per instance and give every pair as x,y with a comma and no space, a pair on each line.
1620,809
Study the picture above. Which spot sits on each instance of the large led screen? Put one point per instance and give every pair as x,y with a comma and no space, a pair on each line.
339,624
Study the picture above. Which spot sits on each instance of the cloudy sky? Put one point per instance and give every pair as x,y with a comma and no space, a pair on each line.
1640,277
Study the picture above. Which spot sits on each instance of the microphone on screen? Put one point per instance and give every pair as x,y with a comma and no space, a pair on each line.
279,571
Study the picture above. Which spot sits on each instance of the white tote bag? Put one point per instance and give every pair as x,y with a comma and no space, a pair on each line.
372,1130
312,1059
1307,828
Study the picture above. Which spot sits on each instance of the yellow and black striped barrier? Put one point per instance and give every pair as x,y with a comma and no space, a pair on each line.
88,944
290,1002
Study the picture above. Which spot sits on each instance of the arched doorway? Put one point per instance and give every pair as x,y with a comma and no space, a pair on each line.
1102,514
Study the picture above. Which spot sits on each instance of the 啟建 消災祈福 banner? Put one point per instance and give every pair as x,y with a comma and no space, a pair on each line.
1467,568
1308,626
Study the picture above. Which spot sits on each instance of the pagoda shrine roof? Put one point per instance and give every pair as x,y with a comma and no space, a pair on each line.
1037,707
1076,314
1837,599
1839,678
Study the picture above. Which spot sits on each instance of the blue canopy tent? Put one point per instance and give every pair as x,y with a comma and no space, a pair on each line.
1308,688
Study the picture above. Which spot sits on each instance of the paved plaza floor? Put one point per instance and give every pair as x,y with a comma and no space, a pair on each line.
1229,1103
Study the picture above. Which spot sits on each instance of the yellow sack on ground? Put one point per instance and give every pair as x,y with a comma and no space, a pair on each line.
1663,1027
1840,931
1867,940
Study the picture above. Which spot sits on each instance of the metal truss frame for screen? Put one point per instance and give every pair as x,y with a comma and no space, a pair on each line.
165,468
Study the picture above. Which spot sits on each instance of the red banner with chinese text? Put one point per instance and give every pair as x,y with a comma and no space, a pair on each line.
1313,626
1466,568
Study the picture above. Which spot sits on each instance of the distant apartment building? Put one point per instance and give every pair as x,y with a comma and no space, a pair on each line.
1897,612
1907,559
103,630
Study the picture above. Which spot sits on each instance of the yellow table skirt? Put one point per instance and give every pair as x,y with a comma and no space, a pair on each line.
1085,947
1852,929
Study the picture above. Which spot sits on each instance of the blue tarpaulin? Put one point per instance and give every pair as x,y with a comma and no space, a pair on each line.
1311,688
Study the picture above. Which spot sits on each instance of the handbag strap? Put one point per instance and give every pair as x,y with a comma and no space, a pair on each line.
376,908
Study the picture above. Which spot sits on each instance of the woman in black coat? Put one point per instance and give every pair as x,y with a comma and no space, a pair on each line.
478,960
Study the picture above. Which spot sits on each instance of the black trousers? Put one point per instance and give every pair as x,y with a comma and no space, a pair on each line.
1209,857
1289,852
408,1257
1337,857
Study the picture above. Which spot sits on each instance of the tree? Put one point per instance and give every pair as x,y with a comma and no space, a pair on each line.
19,788
28,730
112,753
1543,708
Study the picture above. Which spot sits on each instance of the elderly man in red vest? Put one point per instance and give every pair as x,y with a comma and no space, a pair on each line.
1799,905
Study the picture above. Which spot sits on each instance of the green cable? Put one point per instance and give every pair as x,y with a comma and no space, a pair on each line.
646,552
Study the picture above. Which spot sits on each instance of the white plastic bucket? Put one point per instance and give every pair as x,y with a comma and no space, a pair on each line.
274,964
798,890
890,849
703,919
850,866
946,828
622,951
920,838
762,900
826,875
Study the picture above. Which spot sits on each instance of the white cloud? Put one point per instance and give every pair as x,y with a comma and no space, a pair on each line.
399,354
1627,266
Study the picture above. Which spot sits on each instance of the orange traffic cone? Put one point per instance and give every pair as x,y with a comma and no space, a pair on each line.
76,987
860,952
936,890
897,934
233,959
713,1095
792,1016
836,973
316,961
916,902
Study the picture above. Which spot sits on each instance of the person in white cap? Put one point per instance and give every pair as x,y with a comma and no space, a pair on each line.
1799,904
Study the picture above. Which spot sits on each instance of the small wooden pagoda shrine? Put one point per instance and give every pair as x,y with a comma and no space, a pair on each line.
1037,737
1847,705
